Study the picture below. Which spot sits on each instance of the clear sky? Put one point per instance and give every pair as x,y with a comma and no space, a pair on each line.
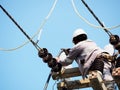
22,69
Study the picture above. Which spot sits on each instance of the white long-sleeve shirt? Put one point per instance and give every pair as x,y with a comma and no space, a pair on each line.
85,50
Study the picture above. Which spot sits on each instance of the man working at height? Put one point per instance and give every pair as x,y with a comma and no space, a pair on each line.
88,57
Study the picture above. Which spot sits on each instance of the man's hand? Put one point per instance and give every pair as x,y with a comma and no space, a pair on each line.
57,59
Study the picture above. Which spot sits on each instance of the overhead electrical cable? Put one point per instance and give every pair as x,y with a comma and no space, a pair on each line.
97,19
54,84
43,51
47,82
113,27
20,28
12,49
85,20
39,35
45,20
38,32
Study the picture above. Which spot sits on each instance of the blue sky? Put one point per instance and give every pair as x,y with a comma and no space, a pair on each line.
22,69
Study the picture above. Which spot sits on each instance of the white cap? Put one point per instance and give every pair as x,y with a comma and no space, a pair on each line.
78,32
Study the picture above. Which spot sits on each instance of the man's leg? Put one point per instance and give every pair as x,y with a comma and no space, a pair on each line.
107,76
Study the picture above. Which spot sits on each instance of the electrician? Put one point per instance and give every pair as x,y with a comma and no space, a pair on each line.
89,57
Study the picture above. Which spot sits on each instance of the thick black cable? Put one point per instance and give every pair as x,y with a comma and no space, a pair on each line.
36,46
48,79
109,33
50,74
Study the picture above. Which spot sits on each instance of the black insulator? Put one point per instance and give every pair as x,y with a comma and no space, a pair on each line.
65,88
117,47
114,39
47,58
52,63
42,52
117,62
57,68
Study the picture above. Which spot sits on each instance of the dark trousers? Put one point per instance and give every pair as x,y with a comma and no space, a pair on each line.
97,65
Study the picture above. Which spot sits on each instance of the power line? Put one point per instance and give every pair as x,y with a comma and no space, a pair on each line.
39,32
20,28
47,17
86,21
12,49
45,20
102,25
